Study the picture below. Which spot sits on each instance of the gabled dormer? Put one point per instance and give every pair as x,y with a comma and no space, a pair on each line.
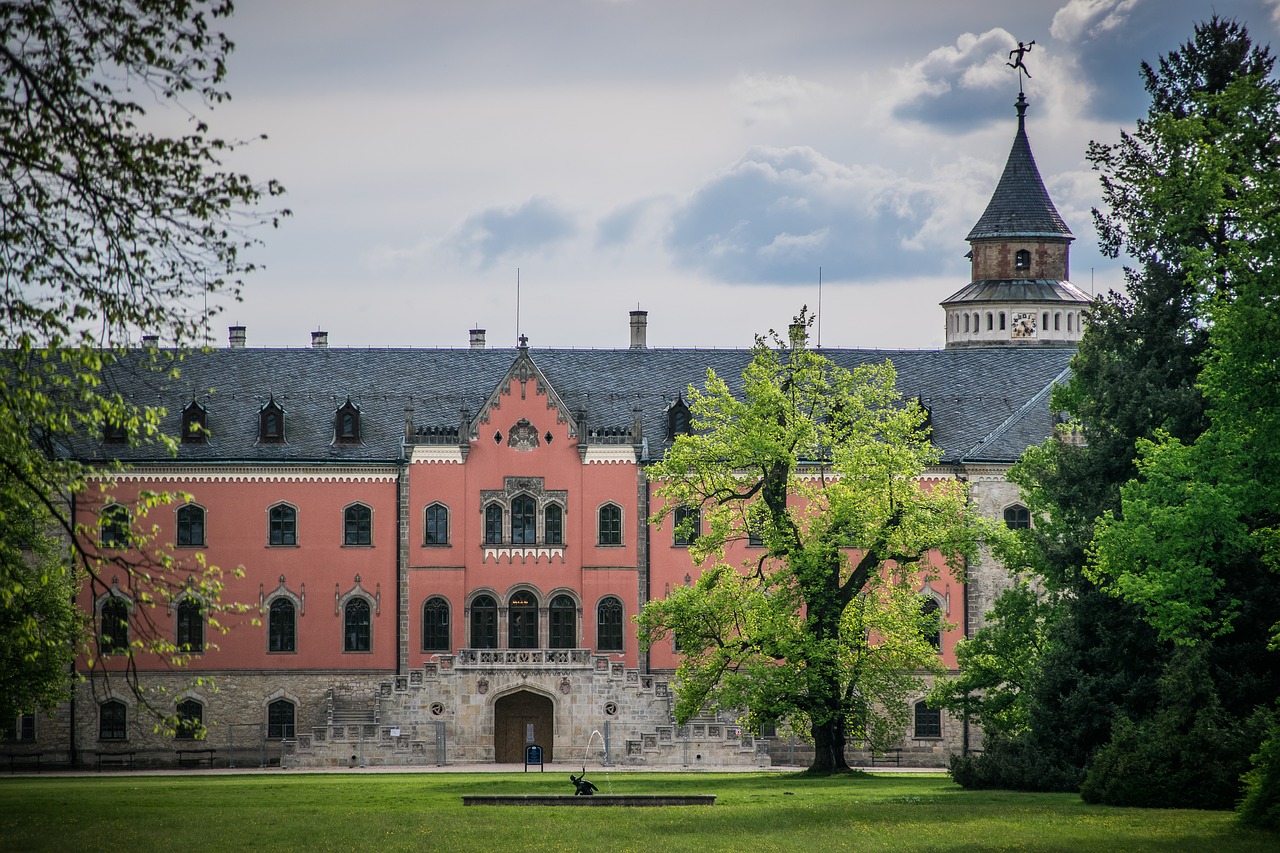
195,423
271,422
346,423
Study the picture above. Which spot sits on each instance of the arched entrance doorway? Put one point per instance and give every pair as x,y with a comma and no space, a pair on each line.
516,716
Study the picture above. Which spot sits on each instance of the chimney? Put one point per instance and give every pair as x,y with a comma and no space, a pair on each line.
238,336
477,338
639,329
319,340
150,341
799,335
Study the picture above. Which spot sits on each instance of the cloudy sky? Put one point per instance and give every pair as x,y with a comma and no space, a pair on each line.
699,159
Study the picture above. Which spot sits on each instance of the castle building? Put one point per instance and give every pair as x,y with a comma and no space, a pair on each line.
442,550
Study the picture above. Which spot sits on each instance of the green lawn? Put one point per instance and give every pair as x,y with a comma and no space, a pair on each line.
423,811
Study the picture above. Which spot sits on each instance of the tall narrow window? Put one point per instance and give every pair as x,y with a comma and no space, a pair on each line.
281,715
190,526
928,721
1017,517
271,423
195,419
553,525
190,626
346,424
284,525
357,525
688,525
609,625
114,627
282,626
679,419
524,520
522,621
112,719
113,526
564,622
484,623
931,621
493,524
356,628
610,525
437,525
435,625
190,723
1002,321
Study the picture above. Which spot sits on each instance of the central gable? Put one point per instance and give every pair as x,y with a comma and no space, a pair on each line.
517,379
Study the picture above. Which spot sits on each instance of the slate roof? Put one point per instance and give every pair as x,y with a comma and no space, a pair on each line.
1018,290
1020,206
988,400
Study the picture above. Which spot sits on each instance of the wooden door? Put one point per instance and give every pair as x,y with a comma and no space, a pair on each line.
514,718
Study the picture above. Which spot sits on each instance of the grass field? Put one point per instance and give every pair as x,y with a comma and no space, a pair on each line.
423,811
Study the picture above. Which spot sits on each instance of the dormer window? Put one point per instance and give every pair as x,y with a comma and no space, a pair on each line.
271,423
1022,260
114,433
346,424
195,420
679,421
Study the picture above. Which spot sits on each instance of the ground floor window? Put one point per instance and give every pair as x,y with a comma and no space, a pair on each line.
928,721
280,719
111,720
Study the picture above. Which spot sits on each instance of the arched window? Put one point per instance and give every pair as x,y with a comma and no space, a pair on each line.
194,424
609,529
609,625
190,526
190,723
928,721
553,525
435,625
112,720
1057,321
283,525
190,625
1017,517
524,520
977,325
688,525
493,524
356,627
1022,260
113,526
679,420
113,624
357,525
281,716
484,623
1044,321
564,623
1069,318
966,323
437,525
1002,327
931,621
990,322
522,621
282,626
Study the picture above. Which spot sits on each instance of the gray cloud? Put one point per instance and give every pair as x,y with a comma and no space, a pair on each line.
776,215
953,86
501,232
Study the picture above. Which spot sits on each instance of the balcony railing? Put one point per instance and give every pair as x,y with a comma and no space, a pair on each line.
523,658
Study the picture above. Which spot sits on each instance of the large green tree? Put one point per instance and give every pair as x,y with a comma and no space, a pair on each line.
109,230
1137,375
825,629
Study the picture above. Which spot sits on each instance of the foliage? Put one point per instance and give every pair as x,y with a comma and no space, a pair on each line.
998,664
825,629
1189,754
1261,804
111,229
1014,761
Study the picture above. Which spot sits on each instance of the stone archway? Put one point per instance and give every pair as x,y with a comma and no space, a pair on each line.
514,716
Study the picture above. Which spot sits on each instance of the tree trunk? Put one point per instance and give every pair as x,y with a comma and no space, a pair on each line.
828,748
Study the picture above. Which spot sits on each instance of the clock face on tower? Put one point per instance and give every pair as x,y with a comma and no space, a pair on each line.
1024,326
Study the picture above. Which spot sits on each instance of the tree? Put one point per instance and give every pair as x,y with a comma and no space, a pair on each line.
110,230
1137,375
826,629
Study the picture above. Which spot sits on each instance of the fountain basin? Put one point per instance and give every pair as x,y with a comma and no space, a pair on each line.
597,800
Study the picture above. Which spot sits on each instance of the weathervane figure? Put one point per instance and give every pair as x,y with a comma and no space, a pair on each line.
1016,55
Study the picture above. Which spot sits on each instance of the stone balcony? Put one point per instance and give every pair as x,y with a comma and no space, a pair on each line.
524,659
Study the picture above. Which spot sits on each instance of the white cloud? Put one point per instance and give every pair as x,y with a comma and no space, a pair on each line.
1090,18
775,97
